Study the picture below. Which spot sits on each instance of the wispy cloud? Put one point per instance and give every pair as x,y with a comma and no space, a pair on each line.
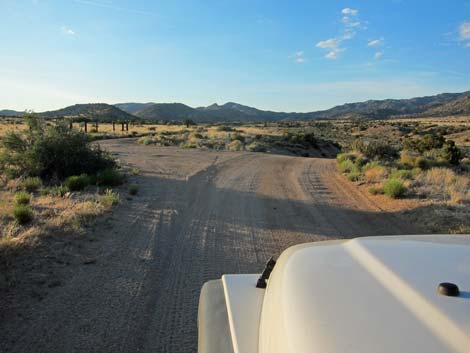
349,11
375,42
378,54
464,33
110,5
350,25
298,57
68,31
333,47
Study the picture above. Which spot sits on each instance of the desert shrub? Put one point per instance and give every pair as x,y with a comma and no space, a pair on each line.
109,177
109,198
375,190
403,174
197,136
23,214
375,149
51,151
256,147
451,153
236,136
345,166
135,171
77,182
235,145
59,191
354,175
306,139
224,128
346,156
22,198
145,141
31,184
133,189
375,174
188,145
409,159
425,143
394,188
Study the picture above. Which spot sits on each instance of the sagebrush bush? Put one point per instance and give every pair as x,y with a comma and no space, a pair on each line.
22,198
51,151
23,213
394,188
110,177
31,184
133,189
77,182
375,149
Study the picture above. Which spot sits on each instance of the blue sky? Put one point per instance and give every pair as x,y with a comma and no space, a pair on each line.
299,55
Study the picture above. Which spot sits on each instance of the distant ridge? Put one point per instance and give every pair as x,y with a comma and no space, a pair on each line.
445,104
92,111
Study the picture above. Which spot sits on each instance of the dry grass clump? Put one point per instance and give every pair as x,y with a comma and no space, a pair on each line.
375,174
444,184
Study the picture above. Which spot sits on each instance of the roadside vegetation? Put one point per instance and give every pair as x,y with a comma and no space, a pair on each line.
427,168
251,138
53,182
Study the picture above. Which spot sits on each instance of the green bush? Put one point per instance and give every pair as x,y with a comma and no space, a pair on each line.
51,151
346,166
403,174
77,182
394,188
133,189
135,171
110,177
59,191
354,176
256,147
23,214
22,198
31,184
375,149
109,198
346,156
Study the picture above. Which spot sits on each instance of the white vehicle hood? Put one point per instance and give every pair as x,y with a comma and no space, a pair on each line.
369,295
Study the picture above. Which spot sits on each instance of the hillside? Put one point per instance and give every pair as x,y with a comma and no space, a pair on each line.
8,112
132,108
383,109
460,106
445,103
93,111
439,105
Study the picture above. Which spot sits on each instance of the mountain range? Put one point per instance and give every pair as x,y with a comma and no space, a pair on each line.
444,104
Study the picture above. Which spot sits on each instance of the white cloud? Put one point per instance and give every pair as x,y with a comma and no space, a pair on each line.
333,47
298,57
349,11
464,31
374,42
378,54
68,31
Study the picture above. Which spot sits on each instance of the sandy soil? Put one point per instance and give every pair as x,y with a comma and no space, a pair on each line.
198,215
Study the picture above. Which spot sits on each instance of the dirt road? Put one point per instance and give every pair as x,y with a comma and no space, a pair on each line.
198,215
